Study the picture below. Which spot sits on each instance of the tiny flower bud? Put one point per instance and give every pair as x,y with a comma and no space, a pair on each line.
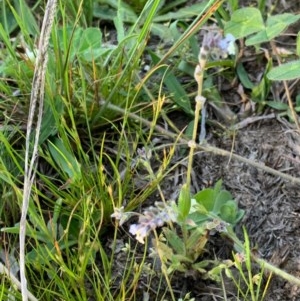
200,99
197,73
192,143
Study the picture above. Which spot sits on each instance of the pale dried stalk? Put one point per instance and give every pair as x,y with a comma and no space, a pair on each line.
14,280
37,97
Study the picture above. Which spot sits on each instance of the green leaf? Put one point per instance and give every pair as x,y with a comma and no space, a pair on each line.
53,107
277,105
243,76
198,218
298,101
262,90
184,202
85,43
212,203
298,44
206,198
178,258
30,232
244,22
65,159
239,215
286,71
24,18
221,199
228,211
217,188
108,12
196,243
199,266
40,256
177,264
194,237
215,272
278,23
69,40
174,240
7,42
162,31
90,44
179,95
165,251
189,130
275,26
90,38
119,24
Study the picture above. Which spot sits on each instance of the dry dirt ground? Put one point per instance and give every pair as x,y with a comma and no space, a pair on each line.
271,203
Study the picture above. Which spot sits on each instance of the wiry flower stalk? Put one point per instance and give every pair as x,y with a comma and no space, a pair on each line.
214,45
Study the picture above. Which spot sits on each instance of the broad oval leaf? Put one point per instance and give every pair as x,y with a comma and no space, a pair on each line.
275,26
90,43
286,71
184,202
175,241
244,22
221,199
206,198
228,212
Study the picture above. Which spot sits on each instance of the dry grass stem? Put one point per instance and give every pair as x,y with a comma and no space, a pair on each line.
15,281
37,98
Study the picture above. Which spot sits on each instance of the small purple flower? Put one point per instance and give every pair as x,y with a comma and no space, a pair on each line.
227,44
222,227
153,217
140,231
214,44
119,215
218,225
122,216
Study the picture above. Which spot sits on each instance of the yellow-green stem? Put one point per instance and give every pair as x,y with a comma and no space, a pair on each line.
199,71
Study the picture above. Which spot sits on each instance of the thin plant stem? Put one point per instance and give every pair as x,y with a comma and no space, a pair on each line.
200,100
163,266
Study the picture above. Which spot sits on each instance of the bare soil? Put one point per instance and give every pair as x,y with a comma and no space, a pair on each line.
270,202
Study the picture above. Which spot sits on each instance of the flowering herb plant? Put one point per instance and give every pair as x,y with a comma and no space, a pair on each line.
187,224
179,248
